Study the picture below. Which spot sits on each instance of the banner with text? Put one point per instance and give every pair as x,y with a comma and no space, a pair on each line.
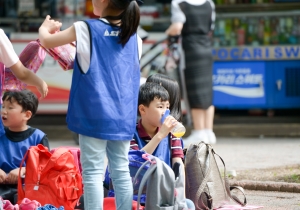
239,83
258,53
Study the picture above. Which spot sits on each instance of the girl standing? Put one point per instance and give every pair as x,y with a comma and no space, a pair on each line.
104,93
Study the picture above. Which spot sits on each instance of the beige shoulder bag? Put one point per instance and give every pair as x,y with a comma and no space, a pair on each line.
204,184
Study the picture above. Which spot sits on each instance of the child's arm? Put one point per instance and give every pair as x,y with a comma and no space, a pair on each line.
28,77
48,36
2,176
12,177
11,60
165,129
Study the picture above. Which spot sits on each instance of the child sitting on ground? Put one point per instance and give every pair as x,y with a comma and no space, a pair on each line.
152,135
18,107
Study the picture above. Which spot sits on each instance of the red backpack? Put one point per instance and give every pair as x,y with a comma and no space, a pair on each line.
50,178
76,154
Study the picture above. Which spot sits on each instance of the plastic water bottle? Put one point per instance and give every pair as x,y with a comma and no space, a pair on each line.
178,130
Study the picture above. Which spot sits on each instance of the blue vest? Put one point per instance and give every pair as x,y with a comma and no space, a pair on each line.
12,153
2,131
162,151
103,101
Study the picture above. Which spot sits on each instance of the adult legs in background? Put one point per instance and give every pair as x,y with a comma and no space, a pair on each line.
199,92
202,127
117,155
199,89
203,120
209,123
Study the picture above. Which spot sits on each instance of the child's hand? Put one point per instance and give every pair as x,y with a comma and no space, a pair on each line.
43,89
12,177
168,124
2,176
52,26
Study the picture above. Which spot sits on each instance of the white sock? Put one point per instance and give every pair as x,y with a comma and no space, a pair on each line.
199,132
211,136
208,130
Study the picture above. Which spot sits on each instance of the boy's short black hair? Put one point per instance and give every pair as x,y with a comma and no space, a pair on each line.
25,98
149,91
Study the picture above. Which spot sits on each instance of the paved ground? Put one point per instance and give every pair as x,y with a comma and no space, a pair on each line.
273,200
253,153
245,153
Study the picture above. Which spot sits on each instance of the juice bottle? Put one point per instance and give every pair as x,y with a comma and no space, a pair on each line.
179,130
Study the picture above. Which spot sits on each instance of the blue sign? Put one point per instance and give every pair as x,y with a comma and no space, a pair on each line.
288,52
239,83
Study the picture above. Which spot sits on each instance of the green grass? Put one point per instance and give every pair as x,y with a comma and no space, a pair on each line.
294,178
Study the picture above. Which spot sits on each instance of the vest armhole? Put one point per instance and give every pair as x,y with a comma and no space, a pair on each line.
91,44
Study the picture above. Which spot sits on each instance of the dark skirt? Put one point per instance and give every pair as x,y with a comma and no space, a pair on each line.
198,70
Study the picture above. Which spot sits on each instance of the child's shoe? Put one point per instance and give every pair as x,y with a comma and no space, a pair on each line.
196,137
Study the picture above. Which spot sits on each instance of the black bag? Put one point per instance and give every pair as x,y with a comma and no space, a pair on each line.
8,192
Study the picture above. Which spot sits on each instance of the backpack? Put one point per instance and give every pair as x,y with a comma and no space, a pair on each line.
76,154
32,58
204,184
50,178
165,190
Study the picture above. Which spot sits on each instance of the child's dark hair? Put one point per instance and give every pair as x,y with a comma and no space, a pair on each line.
130,17
25,98
149,91
173,89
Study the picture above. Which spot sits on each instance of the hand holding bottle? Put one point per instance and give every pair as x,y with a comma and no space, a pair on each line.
177,130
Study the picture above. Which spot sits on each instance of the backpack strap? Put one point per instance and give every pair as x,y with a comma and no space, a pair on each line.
229,188
202,186
21,192
211,152
144,179
140,169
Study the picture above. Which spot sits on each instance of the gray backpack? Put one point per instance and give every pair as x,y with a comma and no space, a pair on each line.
164,191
